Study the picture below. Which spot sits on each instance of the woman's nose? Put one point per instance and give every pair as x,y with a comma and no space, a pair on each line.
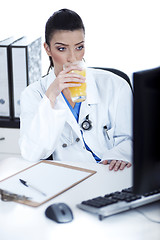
71,57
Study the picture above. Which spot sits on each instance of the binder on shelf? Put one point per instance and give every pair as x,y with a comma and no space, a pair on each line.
26,67
5,79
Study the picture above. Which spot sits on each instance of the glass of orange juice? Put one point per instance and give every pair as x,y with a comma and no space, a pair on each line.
78,94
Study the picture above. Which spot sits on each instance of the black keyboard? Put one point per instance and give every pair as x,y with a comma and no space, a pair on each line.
117,202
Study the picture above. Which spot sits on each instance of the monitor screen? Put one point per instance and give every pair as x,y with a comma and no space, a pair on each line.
146,130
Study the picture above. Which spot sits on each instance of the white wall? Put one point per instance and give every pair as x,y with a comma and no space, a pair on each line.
123,34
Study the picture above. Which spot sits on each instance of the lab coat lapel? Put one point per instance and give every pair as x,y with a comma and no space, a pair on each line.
85,110
70,119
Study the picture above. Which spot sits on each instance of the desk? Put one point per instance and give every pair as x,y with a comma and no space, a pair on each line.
20,222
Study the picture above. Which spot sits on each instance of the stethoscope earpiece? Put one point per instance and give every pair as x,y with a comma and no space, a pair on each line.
86,124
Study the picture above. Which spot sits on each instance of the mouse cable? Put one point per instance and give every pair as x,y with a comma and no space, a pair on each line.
148,218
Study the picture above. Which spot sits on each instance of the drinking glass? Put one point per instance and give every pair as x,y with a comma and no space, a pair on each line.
78,94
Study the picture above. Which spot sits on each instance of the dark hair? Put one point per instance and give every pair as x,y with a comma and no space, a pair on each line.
63,19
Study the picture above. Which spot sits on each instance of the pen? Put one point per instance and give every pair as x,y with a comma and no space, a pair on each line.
25,183
106,131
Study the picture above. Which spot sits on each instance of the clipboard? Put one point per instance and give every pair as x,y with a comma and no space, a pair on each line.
51,178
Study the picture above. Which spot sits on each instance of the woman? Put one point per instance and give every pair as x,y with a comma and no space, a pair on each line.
52,124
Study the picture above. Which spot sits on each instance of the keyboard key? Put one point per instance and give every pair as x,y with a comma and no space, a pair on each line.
128,190
99,202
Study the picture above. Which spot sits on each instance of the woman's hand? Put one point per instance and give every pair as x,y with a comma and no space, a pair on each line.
116,164
64,79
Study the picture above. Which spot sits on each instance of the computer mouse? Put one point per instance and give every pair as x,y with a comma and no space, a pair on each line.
59,212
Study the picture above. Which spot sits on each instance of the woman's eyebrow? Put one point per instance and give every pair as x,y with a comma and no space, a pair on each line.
59,43
79,43
64,44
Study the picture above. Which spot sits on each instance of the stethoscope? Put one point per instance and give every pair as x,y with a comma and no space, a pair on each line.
86,124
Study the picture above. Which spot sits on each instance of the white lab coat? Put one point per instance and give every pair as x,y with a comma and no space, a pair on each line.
44,130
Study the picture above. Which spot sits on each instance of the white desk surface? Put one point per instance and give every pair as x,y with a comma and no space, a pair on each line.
21,222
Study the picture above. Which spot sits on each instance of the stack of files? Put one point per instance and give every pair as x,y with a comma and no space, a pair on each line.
26,67
5,78
20,65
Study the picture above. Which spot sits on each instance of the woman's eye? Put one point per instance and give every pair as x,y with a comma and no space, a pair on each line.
80,47
61,49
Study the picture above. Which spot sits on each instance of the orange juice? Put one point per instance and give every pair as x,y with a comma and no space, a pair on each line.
78,94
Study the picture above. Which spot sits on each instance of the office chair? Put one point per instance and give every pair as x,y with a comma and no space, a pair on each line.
117,72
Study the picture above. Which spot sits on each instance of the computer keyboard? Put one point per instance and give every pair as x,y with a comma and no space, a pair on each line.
117,202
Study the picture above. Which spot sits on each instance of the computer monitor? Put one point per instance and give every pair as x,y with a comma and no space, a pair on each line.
146,130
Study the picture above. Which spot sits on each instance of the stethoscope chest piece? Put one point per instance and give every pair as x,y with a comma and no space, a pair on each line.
86,124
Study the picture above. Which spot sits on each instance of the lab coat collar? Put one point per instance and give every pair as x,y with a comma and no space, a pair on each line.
92,91
50,77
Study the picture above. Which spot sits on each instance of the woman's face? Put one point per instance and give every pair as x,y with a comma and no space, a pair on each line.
66,47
